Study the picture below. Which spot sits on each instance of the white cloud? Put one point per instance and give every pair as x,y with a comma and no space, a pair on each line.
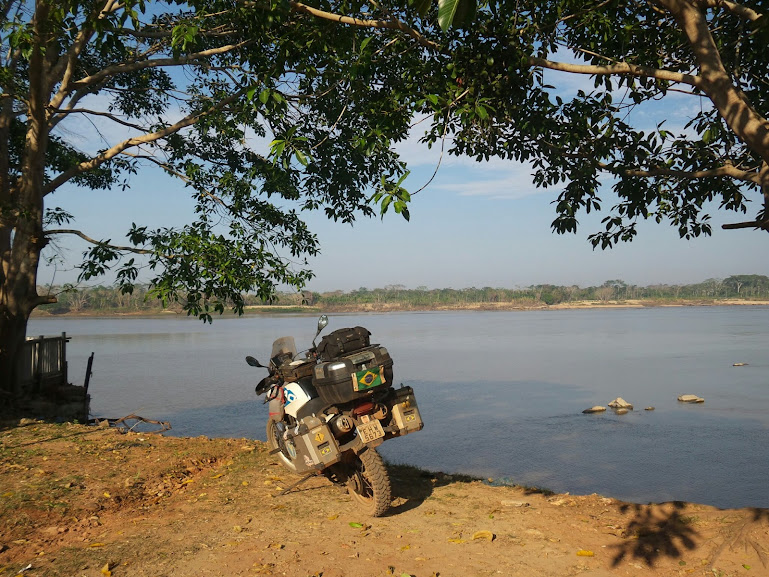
512,182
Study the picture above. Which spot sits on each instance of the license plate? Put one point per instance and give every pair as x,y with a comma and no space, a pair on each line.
370,431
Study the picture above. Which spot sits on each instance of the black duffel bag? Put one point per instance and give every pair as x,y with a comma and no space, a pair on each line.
342,342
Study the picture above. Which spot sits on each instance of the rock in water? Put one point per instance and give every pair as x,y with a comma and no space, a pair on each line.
649,409
620,403
596,409
620,411
691,399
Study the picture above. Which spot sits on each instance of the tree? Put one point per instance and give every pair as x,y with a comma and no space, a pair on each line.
636,52
198,89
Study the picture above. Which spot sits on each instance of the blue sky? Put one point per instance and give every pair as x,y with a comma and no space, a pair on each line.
476,224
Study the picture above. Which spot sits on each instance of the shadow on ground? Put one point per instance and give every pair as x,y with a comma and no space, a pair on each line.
415,485
656,531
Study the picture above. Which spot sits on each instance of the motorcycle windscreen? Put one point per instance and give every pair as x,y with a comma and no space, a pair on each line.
282,346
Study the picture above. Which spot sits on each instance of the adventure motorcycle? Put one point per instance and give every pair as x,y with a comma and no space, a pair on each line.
330,409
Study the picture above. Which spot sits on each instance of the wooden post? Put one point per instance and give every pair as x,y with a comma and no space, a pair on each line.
64,365
86,398
88,373
38,376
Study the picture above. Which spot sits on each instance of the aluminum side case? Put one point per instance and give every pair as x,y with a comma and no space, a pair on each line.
313,447
405,417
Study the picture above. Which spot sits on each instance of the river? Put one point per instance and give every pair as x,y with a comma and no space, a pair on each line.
501,393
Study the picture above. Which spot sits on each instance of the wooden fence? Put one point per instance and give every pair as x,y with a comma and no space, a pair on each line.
42,364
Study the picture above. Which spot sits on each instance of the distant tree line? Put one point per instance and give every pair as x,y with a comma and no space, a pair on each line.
107,300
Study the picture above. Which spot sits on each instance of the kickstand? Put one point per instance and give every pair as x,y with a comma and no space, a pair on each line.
299,482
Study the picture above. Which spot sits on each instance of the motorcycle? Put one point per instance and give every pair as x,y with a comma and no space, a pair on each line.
330,408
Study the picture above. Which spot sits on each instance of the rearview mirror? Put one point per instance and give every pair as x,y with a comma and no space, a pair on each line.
322,323
254,363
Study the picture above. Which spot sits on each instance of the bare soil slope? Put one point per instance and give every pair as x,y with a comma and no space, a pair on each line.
87,501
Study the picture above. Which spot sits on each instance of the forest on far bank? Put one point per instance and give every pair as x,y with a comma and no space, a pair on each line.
110,300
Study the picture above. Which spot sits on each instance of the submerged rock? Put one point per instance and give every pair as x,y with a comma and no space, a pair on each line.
596,409
620,403
691,399
621,411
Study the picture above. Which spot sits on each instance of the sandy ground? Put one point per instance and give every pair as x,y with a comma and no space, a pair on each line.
95,502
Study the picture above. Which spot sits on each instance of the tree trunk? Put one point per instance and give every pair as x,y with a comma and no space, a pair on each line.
21,224
13,331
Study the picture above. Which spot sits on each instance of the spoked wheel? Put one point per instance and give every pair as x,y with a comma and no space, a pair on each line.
275,441
369,483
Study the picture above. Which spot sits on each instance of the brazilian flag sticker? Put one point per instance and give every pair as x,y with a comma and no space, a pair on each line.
368,379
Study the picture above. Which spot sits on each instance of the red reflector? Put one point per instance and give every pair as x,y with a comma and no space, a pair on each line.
363,408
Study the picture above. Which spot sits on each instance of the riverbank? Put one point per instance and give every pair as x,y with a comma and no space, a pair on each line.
95,502
385,307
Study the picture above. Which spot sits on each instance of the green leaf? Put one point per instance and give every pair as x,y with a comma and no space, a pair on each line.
386,204
466,12
356,525
455,12
365,43
264,96
447,9
422,7
300,156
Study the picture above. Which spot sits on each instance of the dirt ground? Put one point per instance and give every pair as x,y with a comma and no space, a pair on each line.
88,501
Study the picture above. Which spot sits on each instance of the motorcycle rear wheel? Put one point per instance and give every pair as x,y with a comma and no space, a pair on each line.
369,484
274,442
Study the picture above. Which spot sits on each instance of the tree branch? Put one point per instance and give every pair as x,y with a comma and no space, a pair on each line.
93,241
757,224
737,9
126,67
621,69
726,170
112,117
66,66
387,24
105,156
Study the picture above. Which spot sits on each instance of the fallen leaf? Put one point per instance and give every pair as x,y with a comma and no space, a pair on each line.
746,567
488,535
332,517
106,494
106,571
245,483
263,568
405,547
97,545
218,475
356,525
585,553
456,540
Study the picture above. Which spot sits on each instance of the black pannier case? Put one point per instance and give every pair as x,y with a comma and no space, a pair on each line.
342,342
354,376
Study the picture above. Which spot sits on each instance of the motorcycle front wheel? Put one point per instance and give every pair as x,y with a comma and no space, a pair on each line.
369,483
276,443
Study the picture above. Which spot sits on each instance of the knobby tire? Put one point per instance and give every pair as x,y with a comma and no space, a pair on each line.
369,483
272,441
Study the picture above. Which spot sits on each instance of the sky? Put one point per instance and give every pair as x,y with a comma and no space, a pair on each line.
475,225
